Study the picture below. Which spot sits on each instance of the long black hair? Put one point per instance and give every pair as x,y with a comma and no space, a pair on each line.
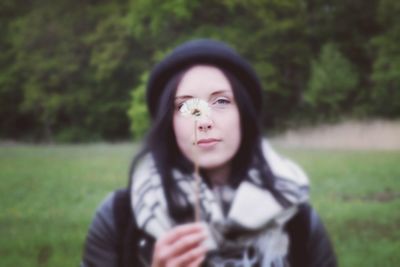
161,144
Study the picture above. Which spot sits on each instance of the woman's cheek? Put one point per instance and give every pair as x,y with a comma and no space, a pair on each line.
183,135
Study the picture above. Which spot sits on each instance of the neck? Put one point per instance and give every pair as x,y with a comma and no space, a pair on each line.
219,176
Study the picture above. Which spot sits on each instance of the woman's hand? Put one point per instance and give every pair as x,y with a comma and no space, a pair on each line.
181,246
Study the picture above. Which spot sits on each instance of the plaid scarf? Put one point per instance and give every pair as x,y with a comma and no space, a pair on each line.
250,233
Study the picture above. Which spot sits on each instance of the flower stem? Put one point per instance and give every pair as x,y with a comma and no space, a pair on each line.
196,177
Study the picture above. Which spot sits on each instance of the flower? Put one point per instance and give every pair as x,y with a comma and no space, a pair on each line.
196,108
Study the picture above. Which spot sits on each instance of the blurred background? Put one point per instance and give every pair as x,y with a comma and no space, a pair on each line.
72,111
74,71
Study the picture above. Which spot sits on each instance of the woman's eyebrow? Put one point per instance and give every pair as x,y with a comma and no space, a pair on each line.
183,97
221,92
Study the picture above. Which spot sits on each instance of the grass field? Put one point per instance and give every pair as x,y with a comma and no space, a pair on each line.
48,195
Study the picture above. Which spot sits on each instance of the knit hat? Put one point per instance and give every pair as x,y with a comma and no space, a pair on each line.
202,51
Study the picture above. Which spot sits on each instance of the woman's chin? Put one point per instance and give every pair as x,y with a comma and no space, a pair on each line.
211,166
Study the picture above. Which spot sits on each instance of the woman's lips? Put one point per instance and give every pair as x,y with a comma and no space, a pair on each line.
209,142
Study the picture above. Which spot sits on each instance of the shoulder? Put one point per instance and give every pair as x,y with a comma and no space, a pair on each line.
310,244
101,242
113,214
113,237
103,220
290,179
282,166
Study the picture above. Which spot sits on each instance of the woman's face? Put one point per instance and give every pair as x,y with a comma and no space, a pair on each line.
219,133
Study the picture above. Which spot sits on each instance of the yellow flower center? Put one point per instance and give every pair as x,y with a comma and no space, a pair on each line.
196,112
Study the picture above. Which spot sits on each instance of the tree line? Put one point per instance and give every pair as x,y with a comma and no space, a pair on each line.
76,70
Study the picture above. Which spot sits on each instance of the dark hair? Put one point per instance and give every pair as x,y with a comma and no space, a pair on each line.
161,145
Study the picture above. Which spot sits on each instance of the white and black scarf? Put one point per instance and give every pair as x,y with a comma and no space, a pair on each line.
250,233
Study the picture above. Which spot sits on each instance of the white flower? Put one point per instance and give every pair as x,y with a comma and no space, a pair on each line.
196,108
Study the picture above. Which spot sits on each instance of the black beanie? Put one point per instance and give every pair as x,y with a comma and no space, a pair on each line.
202,51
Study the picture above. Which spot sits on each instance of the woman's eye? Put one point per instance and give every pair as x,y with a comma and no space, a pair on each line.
178,106
222,102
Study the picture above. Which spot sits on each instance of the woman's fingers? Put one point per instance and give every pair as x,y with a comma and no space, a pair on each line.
182,246
186,243
197,262
182,230
191,257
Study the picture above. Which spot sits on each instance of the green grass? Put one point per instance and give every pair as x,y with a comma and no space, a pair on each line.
48,195
357,193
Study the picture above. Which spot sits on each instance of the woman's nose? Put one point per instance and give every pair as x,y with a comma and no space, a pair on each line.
204,125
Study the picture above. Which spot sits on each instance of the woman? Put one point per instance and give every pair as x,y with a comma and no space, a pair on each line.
206,189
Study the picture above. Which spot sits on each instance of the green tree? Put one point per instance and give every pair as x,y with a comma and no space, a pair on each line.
115,63
385,97
333,79
13,124
67,68
47,66
137,112
270,34
72,66
350,25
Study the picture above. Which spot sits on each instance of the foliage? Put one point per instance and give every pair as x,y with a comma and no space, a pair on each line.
386,68
282,65
332,81
137,112
72,63
67,69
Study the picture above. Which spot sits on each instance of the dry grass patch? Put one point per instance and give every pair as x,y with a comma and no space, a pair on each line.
364,135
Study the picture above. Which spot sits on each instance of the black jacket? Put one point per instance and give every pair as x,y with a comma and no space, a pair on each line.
114,240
